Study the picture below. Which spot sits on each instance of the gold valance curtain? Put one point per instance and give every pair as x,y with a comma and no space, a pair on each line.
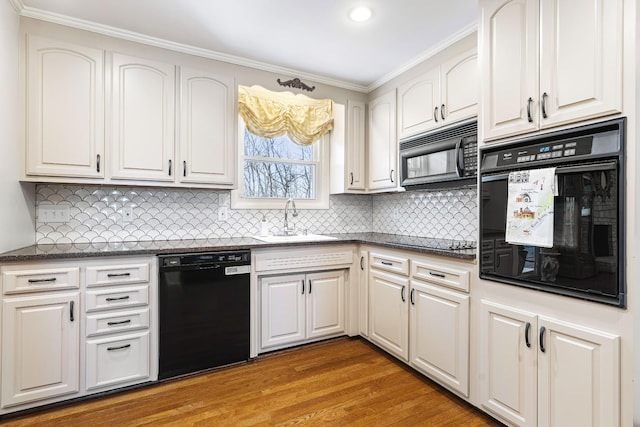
271,114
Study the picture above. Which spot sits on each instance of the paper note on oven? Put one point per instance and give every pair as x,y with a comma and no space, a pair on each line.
530,207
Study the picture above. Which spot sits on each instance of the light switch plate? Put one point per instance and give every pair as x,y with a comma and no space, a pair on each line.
53,214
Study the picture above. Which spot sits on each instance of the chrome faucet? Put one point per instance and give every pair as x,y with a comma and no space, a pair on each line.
289,230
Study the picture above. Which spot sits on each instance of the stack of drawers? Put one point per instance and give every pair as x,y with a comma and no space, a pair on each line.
117,324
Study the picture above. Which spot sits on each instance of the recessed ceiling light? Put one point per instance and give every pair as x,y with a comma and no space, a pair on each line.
360,14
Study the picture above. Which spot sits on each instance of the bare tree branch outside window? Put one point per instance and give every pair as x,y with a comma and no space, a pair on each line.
277,168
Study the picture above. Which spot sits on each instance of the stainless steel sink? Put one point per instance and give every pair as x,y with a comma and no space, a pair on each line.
294,238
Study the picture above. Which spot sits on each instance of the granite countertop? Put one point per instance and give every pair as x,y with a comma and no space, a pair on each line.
84,250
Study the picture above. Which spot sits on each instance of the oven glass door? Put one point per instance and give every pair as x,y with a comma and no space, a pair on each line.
432,164
584,259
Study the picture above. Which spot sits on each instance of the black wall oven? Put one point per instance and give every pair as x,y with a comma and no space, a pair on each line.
587,257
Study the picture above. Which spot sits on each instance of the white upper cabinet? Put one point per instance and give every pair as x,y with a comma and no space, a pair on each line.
548,62
443,95
207,138
143,119
64,106
355,147
383,144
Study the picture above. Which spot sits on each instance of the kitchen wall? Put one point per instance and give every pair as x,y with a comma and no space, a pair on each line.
96,214
16,209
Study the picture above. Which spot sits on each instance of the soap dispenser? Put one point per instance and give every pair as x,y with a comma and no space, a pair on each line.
264,227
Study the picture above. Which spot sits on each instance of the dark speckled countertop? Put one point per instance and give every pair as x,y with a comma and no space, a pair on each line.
454,249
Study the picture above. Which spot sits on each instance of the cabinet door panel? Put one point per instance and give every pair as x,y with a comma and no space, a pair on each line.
356,177
389,313
282,310
507,364
143,119
509,68
325,304
64,141
578,376
460,87
207,140
417,102
383,147
439,344
40,357
580,59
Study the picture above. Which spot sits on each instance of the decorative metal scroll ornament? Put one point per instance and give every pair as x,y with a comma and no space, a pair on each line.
296,84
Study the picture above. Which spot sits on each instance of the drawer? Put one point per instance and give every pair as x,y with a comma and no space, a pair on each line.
120,321
38,280
399,265
440,275
122,297
124,274
112,361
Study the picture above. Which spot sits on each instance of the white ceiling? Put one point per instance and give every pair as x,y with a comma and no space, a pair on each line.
312,37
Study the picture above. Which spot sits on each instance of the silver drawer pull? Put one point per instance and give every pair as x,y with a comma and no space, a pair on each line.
121,322
53,279
118,274
122,347
118,298
386,263
440,275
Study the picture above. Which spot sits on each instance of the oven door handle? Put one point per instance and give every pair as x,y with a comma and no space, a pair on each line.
561,170
459,156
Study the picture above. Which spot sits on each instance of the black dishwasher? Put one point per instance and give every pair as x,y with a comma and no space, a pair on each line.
204,311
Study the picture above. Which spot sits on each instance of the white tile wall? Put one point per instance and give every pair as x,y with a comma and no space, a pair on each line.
96,214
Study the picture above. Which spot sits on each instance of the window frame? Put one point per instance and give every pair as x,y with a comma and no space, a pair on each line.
321,152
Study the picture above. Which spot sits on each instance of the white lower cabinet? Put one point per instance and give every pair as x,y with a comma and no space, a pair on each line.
419,312
295,308
389,312
40,347
75,327
539,371
439,339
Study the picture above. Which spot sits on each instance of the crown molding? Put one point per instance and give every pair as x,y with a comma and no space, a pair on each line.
17,5
94,27
454,38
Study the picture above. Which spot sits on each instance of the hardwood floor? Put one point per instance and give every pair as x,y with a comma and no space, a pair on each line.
342,382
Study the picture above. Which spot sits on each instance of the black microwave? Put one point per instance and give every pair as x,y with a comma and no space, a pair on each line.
444,157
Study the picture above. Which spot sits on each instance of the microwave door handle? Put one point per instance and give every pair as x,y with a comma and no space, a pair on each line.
459,157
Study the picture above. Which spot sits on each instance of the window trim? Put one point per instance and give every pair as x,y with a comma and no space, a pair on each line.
321,152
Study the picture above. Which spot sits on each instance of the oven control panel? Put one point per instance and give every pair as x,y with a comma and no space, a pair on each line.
545,151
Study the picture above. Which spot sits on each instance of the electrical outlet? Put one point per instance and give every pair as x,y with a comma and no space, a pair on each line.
127,214
396,213
53,214
223,213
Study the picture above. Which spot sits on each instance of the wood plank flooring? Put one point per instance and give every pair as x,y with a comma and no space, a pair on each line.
342,382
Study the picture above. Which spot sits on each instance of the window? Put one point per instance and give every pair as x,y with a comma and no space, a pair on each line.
271,170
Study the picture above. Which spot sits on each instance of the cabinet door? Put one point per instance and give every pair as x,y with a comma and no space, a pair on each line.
383,146
282,314
459,86
508,344
389,312
40,341
439,342
508,37
355,146
580,59
143,119
207,131
578,376
325,304
419,104
363,306
65,109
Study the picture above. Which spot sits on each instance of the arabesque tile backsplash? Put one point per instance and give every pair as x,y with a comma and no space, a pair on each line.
96,214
